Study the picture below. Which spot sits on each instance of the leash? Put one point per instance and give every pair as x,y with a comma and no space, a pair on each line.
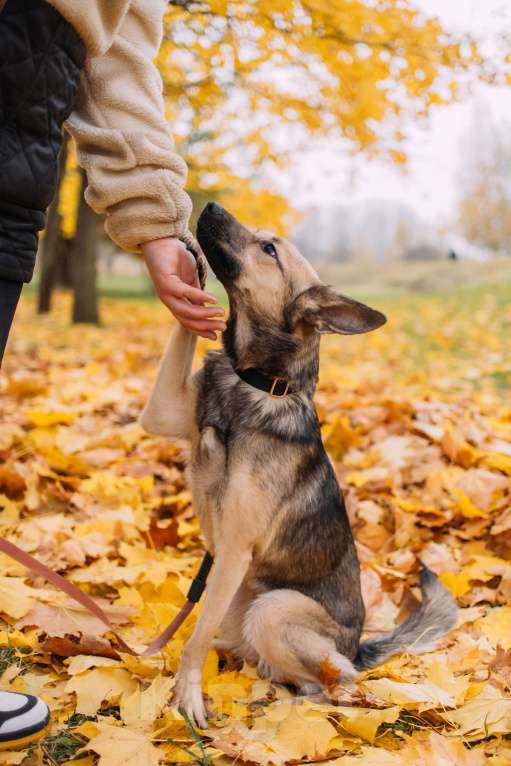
193,595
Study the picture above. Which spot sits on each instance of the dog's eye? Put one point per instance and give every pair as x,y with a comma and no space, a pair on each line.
269,249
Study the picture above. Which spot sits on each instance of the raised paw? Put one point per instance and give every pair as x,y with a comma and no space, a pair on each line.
188,698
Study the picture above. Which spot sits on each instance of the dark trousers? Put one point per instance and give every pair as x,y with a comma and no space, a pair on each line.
9,297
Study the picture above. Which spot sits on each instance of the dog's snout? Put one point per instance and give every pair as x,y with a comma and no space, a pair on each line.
222,239
212,208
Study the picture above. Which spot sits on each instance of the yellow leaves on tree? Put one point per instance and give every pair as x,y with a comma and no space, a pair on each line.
323,65
247,84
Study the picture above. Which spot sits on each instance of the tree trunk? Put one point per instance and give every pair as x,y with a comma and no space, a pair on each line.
83,263
53,247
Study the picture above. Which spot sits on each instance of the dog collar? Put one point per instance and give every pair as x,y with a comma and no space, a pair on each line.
277,387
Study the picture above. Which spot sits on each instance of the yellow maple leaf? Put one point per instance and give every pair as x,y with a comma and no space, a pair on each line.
457,584
229,692
299,736
468,509
12,757
496,626
16,598
423,695
121,746
487,714
83,662
9,512
438,750
87,729
140,709
364,723
48,418
94,686
499,462
440,674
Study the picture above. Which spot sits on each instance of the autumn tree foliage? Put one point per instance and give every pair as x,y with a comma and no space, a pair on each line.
485,205
249,84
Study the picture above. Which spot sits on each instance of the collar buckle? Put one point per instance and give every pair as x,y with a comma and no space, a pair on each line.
273,390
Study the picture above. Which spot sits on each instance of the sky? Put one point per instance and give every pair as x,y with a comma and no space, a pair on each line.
431,182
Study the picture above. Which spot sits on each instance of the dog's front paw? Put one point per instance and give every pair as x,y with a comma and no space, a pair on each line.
188,698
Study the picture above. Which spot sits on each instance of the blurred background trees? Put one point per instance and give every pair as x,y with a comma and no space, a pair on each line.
247,85
485,181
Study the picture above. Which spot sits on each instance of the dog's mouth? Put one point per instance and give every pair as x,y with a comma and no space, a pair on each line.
222,238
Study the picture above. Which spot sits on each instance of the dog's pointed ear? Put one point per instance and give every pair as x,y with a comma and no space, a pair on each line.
324,310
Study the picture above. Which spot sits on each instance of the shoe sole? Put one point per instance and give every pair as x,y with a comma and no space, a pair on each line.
19,744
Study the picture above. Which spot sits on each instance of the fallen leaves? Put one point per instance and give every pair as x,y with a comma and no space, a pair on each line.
123,747
487,714
92,687
284,733
16,598
423,452
364,723
432,750
70,618
421,696
496,626
141,708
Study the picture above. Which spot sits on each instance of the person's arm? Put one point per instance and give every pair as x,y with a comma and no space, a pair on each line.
135,177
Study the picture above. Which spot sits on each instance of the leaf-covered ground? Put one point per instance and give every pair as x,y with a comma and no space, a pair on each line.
417,418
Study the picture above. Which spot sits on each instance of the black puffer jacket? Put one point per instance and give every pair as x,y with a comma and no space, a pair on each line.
40,60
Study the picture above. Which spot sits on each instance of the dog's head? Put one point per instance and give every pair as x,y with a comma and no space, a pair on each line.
276,298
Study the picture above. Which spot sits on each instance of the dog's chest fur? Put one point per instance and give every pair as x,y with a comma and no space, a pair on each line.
262,462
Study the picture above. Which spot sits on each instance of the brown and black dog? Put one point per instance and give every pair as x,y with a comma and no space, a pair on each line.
284,590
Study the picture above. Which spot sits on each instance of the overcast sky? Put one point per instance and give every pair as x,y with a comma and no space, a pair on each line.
435,150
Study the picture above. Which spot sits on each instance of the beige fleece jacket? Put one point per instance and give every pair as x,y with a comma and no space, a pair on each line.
134,175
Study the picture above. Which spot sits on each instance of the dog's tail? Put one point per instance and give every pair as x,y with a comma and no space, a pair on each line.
421,632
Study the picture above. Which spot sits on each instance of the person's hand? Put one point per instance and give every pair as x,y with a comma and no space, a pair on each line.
174,275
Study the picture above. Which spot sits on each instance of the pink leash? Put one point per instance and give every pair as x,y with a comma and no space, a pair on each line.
194,594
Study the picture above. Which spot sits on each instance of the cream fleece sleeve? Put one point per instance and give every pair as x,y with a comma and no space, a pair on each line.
134,175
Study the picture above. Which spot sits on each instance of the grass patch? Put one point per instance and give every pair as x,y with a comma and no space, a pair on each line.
61,747
11,655
407,723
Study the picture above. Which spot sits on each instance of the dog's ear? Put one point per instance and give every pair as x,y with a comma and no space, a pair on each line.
324,310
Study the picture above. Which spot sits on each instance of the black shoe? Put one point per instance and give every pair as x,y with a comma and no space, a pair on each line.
23,719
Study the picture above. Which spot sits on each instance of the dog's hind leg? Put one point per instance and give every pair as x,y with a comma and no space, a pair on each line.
169,410
231,638
296,639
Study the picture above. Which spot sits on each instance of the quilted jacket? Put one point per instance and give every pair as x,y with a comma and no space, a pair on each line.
41,56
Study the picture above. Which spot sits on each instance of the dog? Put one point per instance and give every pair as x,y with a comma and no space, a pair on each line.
284,589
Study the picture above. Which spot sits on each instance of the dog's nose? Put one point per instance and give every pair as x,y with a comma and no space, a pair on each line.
213,209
